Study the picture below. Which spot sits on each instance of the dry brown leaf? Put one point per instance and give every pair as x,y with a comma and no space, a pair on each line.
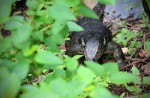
125,50
143,53
146,68
90,3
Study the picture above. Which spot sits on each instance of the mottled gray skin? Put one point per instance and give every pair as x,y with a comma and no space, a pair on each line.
94,41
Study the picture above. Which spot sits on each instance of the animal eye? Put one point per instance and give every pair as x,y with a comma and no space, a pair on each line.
82,42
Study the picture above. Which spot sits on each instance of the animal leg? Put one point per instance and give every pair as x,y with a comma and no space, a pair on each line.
114,48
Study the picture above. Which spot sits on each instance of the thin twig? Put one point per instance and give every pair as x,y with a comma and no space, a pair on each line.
134,63
139,29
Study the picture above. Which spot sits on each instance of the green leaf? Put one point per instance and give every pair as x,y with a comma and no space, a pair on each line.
31,51
148,46
49,78
21,35
32,4
96,68
45,57
60,12
59,86
135,89
77,87
124,30
135,71
9,84
59,73
7,63
132,44
21,31
28,88
68,3
41,92
54,41
123,94
138,44
124,36
23,45
64,89
5,9
85,74
5,45
100,81
111,67
77,56
65,32
71,63
52,45
120,38
148,2
42,17
87,12
145,95
21,69
128,34
57,26
131,51
143,25
15,22
100,92
74,27
103,84
141,33
57,38
124,77
38,36
112,2
146,80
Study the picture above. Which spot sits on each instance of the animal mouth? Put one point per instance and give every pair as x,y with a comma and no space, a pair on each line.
91,49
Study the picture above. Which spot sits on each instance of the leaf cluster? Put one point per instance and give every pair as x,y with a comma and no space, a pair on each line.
33,66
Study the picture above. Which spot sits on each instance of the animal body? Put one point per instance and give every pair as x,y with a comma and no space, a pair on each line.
94,41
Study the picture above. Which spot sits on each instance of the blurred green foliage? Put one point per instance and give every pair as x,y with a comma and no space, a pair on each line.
32,65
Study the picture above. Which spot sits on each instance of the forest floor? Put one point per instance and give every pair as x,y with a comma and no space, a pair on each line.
140,57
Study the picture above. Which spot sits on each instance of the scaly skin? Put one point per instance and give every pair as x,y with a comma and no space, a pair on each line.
94,41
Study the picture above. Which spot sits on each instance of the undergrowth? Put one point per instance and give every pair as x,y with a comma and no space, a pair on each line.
33,66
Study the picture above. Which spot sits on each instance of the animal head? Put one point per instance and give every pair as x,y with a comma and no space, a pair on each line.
90,48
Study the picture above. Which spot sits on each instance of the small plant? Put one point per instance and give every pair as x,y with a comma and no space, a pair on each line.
145,20
127,38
